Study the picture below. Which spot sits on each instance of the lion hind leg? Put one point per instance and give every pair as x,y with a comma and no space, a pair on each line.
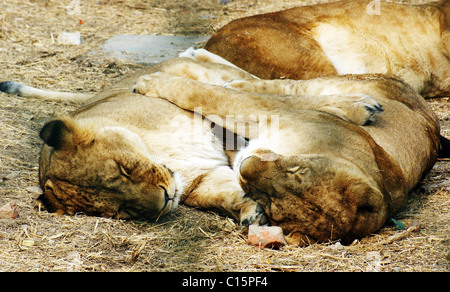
202,55
209,73
360,109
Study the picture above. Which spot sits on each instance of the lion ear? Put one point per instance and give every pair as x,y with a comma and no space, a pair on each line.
58,134
253,166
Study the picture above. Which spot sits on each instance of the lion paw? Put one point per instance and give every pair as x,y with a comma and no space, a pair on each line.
254,214
370,111
153,84
359,109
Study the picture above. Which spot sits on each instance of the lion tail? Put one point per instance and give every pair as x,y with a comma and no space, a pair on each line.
19,89
445,147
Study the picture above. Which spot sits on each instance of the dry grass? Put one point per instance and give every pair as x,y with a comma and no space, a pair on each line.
188,240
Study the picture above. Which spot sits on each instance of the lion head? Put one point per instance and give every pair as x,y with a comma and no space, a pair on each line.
102,171
313,198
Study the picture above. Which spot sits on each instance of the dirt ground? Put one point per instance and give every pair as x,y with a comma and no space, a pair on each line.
188,240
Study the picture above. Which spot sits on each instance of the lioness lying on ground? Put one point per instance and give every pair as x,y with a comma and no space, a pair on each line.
316,169
346,37
125,155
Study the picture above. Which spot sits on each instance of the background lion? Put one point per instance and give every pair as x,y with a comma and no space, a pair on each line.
344,37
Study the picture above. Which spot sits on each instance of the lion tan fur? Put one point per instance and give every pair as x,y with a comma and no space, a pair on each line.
344,37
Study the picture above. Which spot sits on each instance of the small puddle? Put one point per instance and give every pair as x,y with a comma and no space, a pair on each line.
148,49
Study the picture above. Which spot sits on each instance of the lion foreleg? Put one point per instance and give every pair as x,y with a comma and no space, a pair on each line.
219,190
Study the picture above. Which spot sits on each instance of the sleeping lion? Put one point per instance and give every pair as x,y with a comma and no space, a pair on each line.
125,155
344,37
326,159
